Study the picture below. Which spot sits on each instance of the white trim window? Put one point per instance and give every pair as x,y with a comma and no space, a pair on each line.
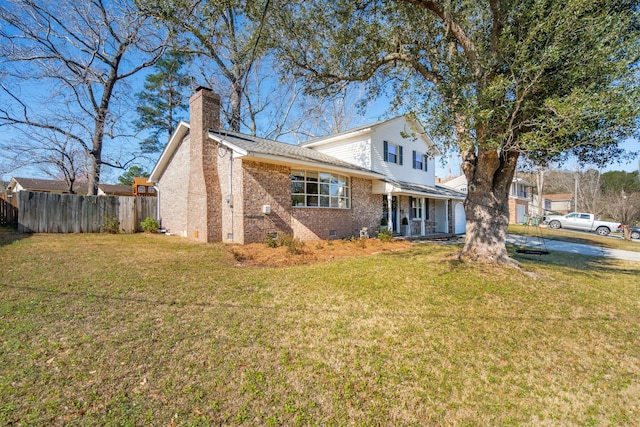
420,161
392,153
318,189
416,207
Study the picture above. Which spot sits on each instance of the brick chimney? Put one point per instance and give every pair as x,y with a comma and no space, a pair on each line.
204,214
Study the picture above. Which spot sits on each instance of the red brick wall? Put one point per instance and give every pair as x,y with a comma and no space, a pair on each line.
265,184
173,185
366,207
204,217
512,209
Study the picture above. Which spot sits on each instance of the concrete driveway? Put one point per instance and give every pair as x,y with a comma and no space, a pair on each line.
534,242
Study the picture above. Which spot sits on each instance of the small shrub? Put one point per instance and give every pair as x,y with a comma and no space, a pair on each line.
150,225
272,242
319,246
284,239
293,244
362,243
295,247
385,235
111,224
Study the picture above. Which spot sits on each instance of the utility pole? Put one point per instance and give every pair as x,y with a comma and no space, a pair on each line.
575,192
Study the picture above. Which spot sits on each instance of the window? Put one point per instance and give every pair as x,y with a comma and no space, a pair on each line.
392,153
142,189
416,208
152,190
418,160
318,189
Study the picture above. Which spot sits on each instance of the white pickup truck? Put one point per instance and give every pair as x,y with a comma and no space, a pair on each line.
582,221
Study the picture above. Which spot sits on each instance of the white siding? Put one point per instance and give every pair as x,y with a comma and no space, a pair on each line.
392,132
367,150
355,151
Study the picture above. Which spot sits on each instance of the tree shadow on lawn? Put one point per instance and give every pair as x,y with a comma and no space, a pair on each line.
589,263
9,235
579,262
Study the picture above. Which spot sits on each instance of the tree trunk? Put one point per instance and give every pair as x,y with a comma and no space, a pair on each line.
487,222
94,174
540,185
236,104
489,176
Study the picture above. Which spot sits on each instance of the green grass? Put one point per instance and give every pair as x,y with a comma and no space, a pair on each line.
614,241
154,330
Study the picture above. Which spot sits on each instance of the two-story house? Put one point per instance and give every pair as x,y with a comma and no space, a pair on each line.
401,151
216,185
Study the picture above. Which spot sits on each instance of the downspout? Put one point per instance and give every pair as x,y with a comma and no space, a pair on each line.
223,150
231,193
158,206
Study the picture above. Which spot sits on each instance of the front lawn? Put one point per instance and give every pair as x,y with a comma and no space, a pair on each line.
155,330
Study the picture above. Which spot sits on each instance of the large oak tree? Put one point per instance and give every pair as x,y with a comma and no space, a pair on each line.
230,33
499,79
64,67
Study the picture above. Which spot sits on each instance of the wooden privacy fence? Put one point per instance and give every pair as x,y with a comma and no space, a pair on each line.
75,213
8,211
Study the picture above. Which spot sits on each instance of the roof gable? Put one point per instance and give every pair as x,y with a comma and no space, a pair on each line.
165,157
255,147
266,149
412,128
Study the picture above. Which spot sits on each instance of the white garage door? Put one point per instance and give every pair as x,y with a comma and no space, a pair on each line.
461,219
520,211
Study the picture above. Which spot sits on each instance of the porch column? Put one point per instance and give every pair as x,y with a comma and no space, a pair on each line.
446,216
389,205
423,229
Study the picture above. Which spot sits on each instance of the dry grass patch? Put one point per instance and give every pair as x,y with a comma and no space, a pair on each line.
262,255
151,330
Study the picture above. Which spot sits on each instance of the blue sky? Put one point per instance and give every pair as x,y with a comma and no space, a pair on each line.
447,165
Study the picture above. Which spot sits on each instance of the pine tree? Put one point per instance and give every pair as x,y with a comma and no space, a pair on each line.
163,101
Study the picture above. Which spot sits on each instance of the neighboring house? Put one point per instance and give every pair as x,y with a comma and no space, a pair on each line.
61,187
216,185
520,196
561,203
114,190
142,187
41,185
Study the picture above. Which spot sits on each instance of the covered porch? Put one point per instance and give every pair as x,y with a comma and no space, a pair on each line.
415,210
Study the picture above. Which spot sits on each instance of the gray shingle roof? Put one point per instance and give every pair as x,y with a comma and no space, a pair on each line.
437,190
60,186
37,184
255,145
